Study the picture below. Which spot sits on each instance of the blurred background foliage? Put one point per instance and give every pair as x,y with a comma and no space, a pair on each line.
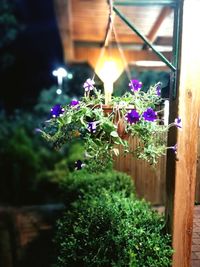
30,168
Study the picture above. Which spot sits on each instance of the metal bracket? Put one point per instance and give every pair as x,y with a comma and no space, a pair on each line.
177,29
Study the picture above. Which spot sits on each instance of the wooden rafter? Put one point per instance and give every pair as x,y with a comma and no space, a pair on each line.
91,55
165,12
84,35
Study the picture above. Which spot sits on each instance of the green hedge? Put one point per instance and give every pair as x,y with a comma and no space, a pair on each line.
80,183
111,229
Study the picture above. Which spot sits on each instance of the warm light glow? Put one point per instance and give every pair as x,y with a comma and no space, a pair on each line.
109,71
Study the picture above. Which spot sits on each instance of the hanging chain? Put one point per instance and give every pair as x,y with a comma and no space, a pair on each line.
126,67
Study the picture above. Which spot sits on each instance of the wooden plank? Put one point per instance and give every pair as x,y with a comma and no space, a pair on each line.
64,19
149,181
189,107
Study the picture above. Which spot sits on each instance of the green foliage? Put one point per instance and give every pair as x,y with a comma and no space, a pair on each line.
110,229
80,183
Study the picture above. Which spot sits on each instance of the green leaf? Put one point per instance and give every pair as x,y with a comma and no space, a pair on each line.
114,134
68,120
82,120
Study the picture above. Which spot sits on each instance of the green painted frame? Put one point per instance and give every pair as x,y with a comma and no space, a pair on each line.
176,5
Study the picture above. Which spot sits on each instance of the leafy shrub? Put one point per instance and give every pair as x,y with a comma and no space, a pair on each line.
22,163
80,183
111,229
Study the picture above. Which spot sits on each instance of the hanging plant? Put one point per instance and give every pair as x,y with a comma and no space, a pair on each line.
101,128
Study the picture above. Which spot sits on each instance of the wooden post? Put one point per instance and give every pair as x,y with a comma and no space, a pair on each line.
181,197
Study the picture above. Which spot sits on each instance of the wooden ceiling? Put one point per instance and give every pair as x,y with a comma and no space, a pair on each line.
82,25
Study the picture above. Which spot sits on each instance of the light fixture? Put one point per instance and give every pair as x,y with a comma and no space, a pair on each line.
149,63
70,76
166,112
109,71
60,73
59,91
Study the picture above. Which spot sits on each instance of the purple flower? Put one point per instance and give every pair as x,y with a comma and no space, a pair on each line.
132,116
38,130
74,102
57,111
135,85
88,85
178,122
79,165
92,126
158,89
149,115
174,148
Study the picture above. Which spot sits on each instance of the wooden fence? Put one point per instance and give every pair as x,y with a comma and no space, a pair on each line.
150,181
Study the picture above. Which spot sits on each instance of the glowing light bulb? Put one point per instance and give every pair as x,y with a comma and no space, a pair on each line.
59,91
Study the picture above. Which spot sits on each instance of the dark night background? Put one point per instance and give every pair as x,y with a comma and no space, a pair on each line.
37,51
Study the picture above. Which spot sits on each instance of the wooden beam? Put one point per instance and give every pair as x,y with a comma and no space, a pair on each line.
183,184
88,35
163,41
91,55
165,12
64,20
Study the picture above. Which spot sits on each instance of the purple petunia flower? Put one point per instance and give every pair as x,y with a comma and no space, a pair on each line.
57,111
79,165
74,102
92,126
174,148
38,130
149,115
158,89
135,85
88,85
178,122
132,116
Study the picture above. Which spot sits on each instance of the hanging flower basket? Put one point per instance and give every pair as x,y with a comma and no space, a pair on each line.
118,118
101,127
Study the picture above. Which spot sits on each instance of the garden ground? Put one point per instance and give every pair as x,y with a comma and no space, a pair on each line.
196,238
